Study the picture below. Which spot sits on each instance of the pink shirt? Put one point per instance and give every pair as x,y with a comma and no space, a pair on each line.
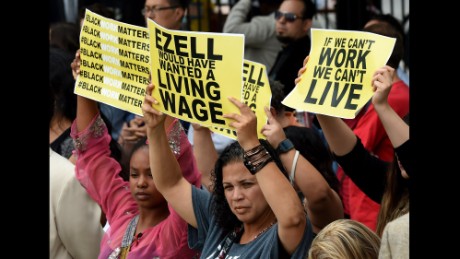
98,173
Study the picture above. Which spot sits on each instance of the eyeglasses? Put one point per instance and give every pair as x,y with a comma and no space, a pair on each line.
157,9
289,17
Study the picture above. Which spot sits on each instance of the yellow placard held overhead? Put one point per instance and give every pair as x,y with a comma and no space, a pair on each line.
115,61
256,93
195,72
337,80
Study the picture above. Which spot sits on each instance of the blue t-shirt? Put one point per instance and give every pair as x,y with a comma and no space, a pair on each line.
209,237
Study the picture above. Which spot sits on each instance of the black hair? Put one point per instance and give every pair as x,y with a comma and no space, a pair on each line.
309,10
65,35
277,89
278,95
140,143
126,159
232,153
61,83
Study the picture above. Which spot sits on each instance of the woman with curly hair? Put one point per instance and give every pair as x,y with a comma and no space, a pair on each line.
253,211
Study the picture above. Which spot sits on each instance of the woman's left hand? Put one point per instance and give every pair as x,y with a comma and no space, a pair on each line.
273,130
152,117
382,81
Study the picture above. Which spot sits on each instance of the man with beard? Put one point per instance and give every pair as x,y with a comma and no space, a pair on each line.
294,19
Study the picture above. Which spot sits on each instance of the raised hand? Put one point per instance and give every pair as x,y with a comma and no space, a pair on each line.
152,117
395,127
245,124
382,81
273,130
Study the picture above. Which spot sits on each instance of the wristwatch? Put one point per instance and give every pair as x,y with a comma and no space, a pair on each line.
284,146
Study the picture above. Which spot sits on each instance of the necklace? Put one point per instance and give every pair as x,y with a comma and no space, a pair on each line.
264,230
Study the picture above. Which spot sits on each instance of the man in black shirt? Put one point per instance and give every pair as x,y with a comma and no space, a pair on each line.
293,23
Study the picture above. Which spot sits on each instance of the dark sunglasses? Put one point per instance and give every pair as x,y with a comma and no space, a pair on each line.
289,17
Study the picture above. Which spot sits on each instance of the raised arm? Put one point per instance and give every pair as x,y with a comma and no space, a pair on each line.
323,203
280,195
339,136
163,164
256,31
356,161
86,108
396,129
365,170
95,169
205,153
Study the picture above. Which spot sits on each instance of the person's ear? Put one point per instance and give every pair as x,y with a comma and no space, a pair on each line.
273,112
307,24
180,13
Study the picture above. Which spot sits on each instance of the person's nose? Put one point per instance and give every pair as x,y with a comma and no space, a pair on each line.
237,194
142,182
150,14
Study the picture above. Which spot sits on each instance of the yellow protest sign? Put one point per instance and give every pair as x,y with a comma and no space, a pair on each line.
256,93
337,81
114,62
195,72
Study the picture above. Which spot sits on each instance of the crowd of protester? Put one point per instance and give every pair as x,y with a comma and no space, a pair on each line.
154,186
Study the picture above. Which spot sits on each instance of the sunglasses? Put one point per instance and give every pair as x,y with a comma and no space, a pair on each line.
289,17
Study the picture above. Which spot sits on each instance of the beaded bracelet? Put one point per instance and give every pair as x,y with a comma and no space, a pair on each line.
254,150
256,158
